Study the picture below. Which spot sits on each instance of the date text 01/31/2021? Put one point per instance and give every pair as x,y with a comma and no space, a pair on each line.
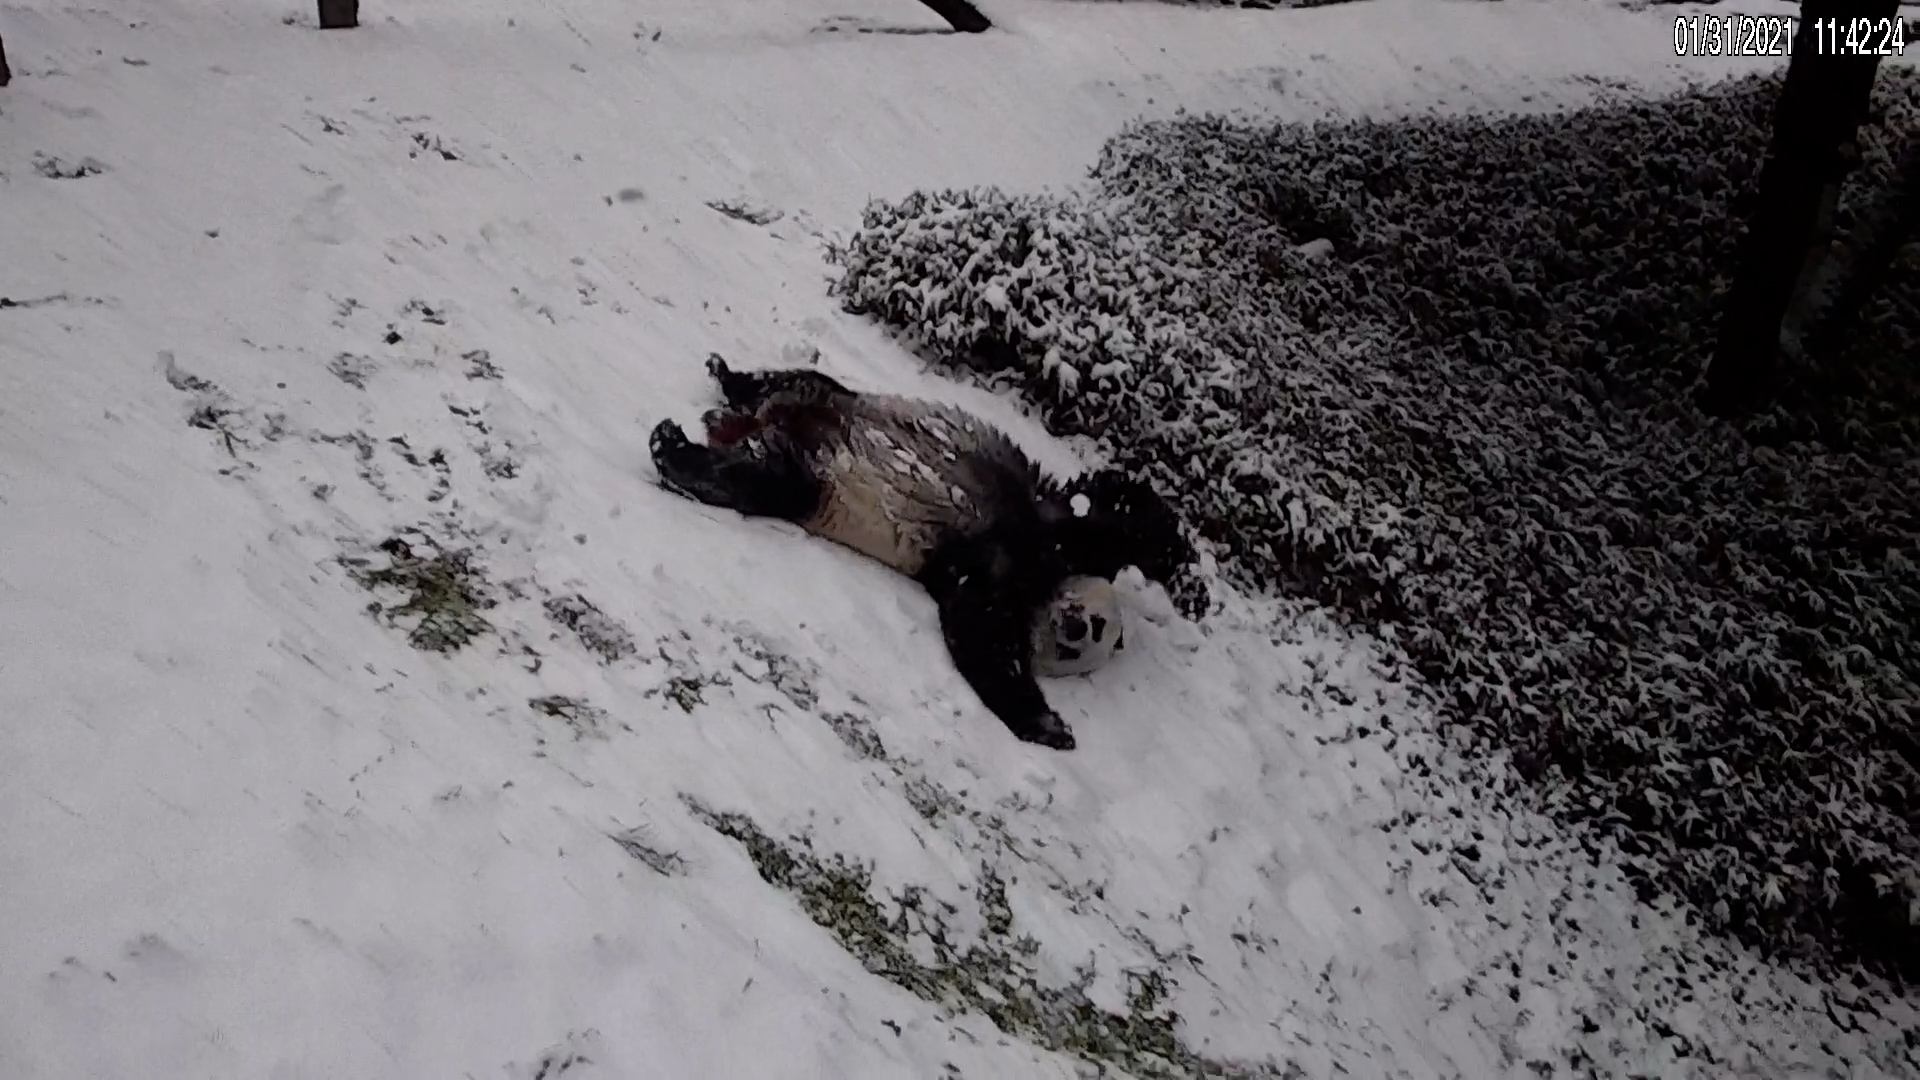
1772,35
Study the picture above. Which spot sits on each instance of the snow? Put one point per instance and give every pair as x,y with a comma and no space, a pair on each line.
433,280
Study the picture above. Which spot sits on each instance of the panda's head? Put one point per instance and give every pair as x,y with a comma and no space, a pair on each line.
1079,630
1113,520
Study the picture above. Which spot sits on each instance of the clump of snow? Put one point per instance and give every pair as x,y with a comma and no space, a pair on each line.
1432,372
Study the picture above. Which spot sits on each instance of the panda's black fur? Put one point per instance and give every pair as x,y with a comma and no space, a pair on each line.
937,494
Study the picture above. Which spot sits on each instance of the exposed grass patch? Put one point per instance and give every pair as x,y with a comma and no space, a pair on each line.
443,593
995,976
740,211
583,718
602,634
773,668
634,842
480,365
688,679
352,369
858,735
54,168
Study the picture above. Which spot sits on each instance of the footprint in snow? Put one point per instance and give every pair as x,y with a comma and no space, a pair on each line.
324,220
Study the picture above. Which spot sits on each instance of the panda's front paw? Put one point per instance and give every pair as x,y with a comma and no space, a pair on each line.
1050,731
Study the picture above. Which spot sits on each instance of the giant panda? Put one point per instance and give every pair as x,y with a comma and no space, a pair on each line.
937,494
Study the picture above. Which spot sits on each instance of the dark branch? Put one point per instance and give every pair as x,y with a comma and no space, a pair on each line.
960,15
339,14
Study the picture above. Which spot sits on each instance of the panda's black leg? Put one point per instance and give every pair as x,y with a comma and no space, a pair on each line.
988,633
746,391
754,477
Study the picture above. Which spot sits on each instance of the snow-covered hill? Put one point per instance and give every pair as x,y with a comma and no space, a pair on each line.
298,323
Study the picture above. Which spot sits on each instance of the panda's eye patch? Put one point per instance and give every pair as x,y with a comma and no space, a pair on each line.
1073,627
1099,627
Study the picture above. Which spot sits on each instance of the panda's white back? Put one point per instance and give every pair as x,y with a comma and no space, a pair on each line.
903,474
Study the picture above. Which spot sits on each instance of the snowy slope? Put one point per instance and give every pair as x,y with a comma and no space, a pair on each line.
278,296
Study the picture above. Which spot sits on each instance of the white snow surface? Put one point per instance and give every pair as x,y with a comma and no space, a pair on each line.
246,830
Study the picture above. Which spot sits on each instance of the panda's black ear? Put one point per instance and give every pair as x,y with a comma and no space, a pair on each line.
1124,522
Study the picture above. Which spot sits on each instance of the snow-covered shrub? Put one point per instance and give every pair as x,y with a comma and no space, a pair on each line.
1432,372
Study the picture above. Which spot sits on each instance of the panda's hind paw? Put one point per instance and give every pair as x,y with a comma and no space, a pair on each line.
667,436
1050,731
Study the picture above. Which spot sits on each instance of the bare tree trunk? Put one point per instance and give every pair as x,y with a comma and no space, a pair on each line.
6,73
1816,268
1821,105
1862,266
960,15
339,14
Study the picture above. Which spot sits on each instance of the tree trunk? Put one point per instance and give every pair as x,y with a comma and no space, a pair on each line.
339,14
960,15
1862,267
1821,105
1809,291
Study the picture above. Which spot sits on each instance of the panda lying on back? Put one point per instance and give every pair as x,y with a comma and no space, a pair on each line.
940,496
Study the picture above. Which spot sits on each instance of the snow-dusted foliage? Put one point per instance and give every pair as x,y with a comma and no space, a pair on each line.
1432,372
